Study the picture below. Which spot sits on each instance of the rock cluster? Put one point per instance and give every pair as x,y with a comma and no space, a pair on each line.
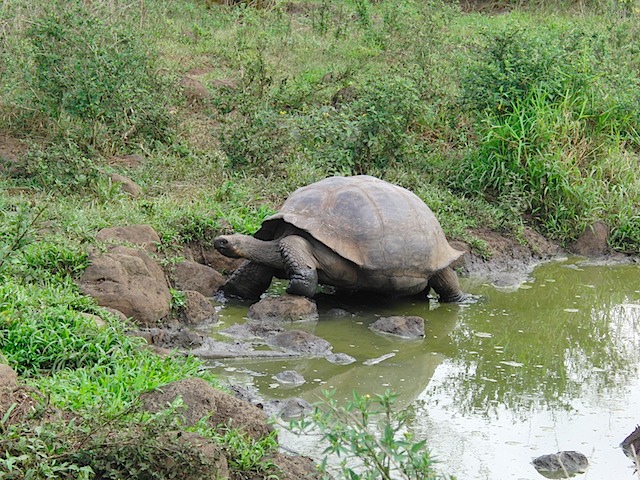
126,278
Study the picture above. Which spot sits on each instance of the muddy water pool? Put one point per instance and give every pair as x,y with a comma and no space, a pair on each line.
553,364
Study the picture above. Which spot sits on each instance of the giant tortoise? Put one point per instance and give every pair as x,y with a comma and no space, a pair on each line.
355,233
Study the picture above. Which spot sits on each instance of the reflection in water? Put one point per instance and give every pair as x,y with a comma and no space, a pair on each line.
540,347
551,366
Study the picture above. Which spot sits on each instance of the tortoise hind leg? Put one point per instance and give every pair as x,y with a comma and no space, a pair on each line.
249,281
446,285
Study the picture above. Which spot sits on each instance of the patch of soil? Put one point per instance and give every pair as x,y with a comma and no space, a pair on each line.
510,261
487,6
11,149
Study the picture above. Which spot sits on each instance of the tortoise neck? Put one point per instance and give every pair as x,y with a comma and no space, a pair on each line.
265,252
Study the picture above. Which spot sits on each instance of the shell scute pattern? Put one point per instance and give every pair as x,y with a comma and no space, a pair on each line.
374,224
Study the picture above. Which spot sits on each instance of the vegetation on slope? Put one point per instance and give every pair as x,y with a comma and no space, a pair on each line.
498,120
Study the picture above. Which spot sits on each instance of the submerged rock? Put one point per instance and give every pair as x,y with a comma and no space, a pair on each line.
377,360
340,359
288,308
252,330
631,444
303,343
563,464
405,327
289,377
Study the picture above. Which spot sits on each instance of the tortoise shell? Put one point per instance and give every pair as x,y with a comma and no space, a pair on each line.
370,222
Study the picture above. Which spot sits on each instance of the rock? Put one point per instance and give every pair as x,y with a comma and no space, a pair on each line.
128,280
511,261
141,235
201,400
216,349
8,377
288,409
562,463
117,313
133,160
288,308
339,312
344,96
252,330
405,327
97,321
290,467
380,359
171,338
289,377
340,359
631,444
126,184
197,309
224,83
593,242
303,343
20,403
189,275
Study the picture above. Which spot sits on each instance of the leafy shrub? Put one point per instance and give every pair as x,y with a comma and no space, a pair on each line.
514,60
57,166
95,79
372,131
260,142
545,159
369,431
558,115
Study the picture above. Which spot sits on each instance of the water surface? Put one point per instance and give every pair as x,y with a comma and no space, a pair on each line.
551,365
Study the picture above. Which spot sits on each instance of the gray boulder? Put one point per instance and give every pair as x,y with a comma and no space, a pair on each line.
140,235
287,308
563,464
189,275
128,280
300,342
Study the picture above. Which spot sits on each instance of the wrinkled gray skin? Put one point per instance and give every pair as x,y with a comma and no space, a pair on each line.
354,233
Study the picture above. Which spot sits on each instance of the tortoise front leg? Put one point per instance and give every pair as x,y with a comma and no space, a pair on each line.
299,265
446,285
249,281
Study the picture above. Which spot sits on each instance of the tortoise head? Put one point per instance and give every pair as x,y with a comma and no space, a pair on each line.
228,245
265,252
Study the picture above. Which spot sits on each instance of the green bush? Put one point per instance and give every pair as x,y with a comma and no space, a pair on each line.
370,435
515,60
57,166
558,114
558,163
370,131
260,142
94,80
